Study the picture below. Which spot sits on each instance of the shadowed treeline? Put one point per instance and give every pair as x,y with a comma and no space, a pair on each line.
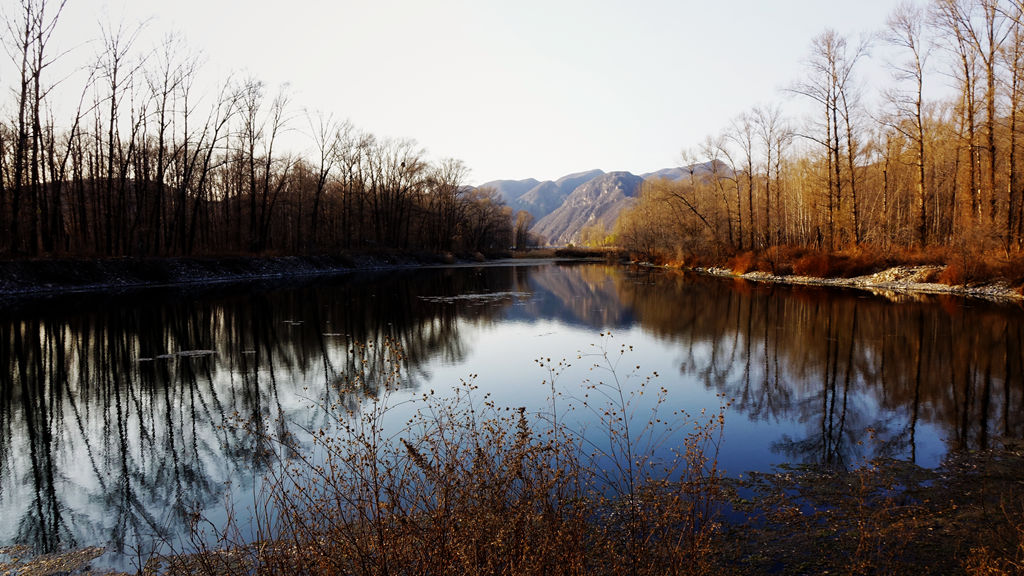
149,164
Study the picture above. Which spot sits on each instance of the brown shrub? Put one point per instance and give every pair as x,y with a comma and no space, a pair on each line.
813,264
692,260
929,256
973,268
859,261
783,258
846,264
952,275
1012,270
743,262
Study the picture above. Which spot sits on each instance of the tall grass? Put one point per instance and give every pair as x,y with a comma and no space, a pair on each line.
462,485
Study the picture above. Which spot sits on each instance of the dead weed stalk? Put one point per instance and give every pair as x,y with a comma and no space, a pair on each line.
457,484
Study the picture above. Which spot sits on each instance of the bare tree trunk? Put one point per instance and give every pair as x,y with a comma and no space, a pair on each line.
851,154
1012,181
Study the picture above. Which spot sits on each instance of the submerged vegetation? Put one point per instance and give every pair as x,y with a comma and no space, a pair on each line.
883,517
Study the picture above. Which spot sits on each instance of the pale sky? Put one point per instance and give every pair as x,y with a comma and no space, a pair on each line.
514,88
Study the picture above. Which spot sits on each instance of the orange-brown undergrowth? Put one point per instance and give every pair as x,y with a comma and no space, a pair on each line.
959,266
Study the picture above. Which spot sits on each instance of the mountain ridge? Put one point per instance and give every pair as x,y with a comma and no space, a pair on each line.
562,208
596,202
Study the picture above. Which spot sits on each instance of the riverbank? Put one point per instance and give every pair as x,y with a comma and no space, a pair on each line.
895,283
895,274
58,276
44,276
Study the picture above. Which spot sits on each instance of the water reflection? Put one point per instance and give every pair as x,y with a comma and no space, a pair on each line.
112,408
860,374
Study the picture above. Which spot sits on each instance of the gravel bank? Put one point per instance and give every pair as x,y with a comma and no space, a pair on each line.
895,283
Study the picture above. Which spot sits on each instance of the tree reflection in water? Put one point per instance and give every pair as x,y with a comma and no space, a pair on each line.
860,372
113,409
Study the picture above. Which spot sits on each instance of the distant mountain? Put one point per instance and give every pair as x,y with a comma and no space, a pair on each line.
683,172
511,190
540,198
667,174
562,208
598,200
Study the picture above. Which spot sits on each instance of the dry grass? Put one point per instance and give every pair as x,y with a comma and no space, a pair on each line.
885,517
21,561
466,486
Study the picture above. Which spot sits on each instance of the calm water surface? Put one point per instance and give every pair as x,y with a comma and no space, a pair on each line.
112,407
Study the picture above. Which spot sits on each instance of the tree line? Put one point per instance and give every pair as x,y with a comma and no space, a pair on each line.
148,164
903,172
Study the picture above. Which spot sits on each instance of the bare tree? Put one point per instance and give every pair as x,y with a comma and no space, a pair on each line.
444,190
329,136
116,70
724,169
774,136
1013,56
906,31
742,133
488,222
830,85
522,231
28,34
951,18
164,83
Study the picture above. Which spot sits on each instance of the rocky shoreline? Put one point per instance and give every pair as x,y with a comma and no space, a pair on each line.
894,283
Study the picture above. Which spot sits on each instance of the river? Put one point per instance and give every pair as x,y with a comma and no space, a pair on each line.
114,407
